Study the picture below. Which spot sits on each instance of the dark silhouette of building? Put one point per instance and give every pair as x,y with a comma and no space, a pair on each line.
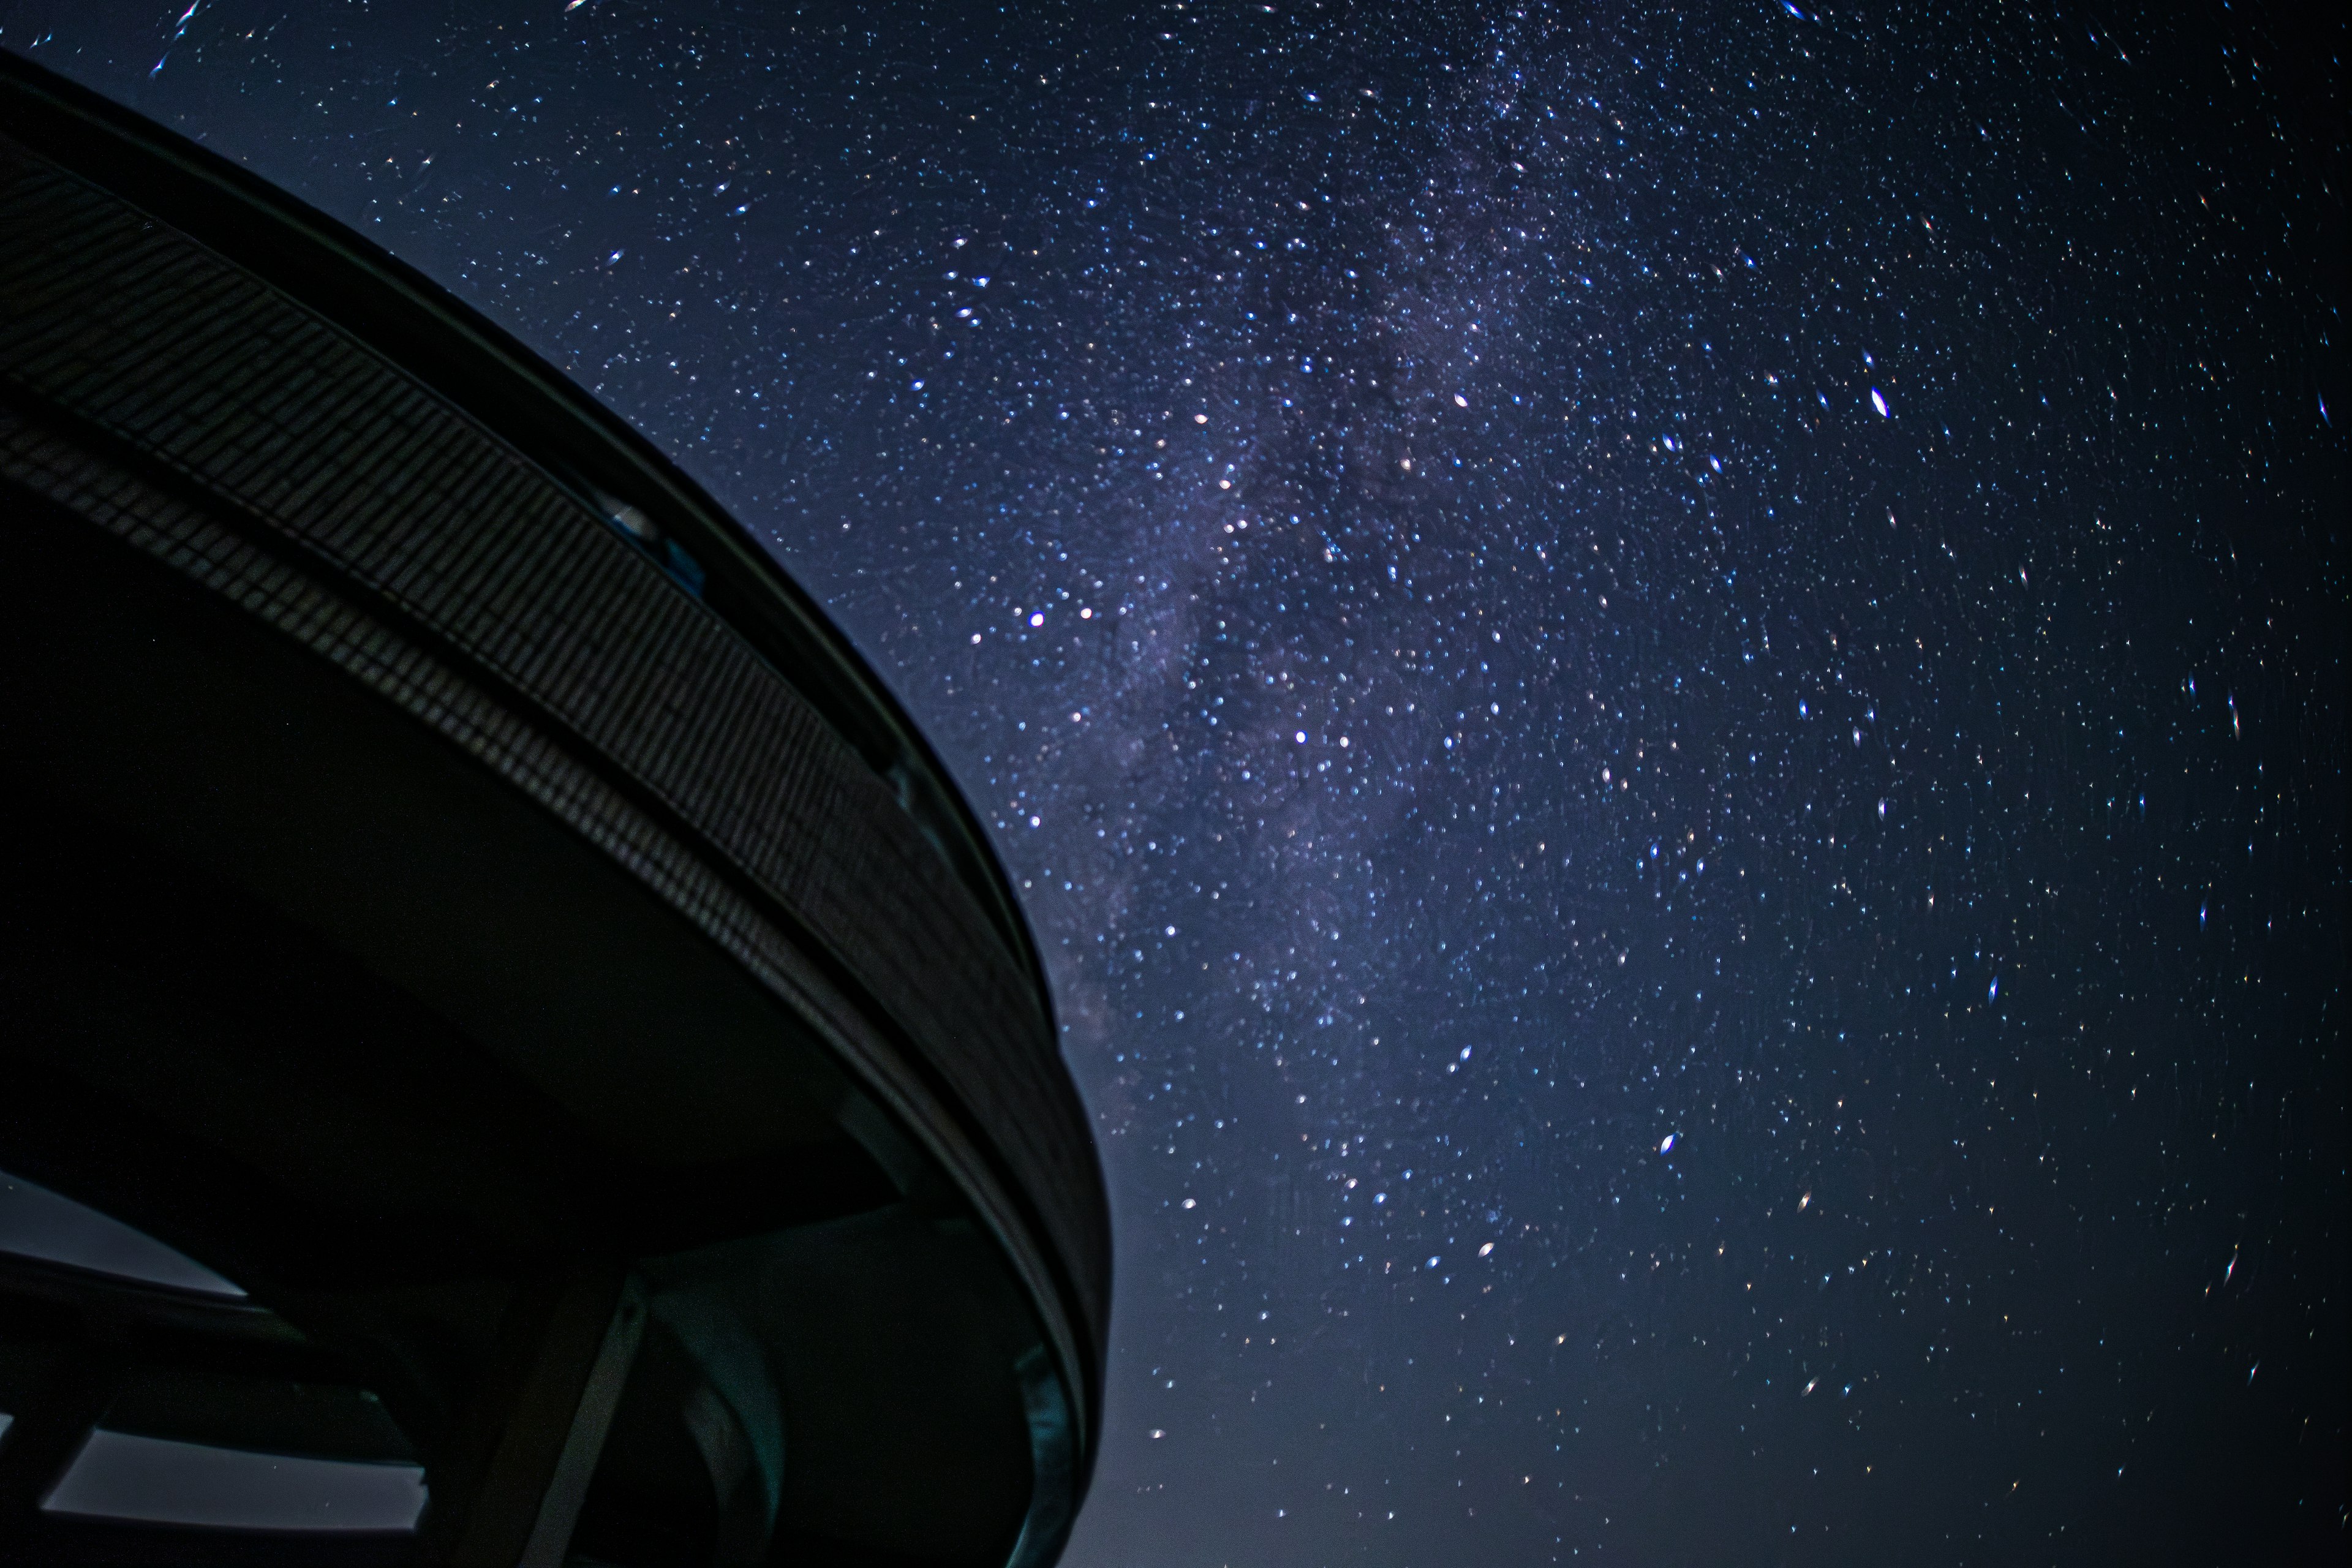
510,1049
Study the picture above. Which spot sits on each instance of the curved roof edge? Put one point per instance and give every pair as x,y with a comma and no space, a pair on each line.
514,392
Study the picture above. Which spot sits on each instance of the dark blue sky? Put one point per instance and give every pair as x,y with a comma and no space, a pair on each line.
1668,688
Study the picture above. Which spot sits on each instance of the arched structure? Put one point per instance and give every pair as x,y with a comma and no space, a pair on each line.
564,1074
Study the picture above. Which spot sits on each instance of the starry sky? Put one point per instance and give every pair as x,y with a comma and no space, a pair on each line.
1668,686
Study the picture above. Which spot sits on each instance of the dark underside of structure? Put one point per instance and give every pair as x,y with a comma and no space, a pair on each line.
513,1051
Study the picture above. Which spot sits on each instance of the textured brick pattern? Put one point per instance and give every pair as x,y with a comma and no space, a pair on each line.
268,455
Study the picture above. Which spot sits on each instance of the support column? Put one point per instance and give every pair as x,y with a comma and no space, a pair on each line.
528,1446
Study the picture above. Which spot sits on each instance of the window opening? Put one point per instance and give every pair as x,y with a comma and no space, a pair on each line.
161,1481
51,1228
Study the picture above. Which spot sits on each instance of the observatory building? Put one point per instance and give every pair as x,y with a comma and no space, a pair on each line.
511,1049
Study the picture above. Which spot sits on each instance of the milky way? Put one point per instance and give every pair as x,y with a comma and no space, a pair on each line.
1668,691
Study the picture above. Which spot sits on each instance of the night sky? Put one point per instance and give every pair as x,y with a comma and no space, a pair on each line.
1668,688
